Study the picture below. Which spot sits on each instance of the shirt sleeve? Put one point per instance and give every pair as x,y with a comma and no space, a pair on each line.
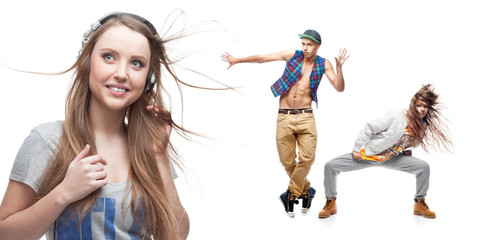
372,128
34,156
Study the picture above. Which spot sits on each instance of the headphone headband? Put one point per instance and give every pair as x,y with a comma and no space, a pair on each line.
118,14
94,26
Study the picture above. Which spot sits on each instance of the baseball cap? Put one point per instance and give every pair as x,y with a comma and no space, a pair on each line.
312,35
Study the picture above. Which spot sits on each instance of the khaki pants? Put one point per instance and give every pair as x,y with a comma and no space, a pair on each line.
293,130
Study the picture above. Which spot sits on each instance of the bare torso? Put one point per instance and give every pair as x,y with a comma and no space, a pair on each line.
300,95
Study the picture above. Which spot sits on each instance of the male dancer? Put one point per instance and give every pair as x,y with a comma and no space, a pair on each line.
297,89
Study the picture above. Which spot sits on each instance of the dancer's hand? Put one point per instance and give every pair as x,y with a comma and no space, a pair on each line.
357,156
85,174
230,59
342,57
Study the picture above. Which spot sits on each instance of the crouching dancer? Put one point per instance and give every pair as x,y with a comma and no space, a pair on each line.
383,142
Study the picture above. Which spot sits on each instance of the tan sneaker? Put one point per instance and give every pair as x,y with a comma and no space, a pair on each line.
329,209
421,208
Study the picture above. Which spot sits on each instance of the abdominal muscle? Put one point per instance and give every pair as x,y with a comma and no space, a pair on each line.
299,96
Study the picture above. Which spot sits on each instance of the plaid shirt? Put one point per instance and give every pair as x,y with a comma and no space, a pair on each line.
293,73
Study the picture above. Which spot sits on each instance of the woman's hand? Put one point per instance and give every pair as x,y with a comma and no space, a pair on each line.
160,151
357,156
85,174
407,152
162,113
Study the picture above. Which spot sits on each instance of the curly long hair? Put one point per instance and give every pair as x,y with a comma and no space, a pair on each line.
145,129
430,131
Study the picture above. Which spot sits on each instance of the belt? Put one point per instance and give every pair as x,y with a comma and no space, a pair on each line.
295,111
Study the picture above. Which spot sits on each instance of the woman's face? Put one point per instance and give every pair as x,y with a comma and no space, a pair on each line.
422,108
119,67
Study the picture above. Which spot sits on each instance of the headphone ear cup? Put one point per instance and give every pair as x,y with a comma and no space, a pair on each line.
150,83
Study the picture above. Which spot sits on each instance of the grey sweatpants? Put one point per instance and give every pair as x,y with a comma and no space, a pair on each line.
346,163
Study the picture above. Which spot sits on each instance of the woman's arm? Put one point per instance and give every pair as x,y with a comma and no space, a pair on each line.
22,217
171,191
19,212
173,198
371,128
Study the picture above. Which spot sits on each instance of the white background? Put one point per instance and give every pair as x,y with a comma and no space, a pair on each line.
233,177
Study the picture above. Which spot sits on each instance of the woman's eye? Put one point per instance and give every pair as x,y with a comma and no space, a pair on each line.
138,64
108,57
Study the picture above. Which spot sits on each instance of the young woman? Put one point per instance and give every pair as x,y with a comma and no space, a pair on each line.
104,172
383,142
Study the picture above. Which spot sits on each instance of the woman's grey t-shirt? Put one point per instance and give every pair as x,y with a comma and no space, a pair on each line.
110,217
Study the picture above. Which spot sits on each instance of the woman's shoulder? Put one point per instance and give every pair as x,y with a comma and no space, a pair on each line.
395,114
49,130
49,126
35,153
46,134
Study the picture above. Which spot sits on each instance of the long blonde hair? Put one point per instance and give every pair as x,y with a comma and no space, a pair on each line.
431,131
145,129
